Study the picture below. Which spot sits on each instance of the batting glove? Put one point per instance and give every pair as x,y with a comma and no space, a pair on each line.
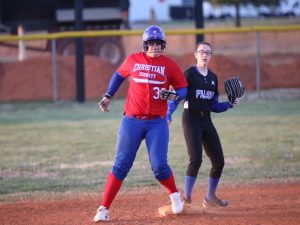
168,95
103,104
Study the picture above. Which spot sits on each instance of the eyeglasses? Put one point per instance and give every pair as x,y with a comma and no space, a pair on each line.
202,52
157,42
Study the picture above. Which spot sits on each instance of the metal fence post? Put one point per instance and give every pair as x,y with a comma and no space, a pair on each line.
258,75
54,69
22,47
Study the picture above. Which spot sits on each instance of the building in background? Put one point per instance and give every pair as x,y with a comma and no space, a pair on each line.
168,10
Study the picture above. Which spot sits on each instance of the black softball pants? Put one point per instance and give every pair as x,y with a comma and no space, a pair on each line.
199,131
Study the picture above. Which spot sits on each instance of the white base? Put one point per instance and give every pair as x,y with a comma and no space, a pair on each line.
187,209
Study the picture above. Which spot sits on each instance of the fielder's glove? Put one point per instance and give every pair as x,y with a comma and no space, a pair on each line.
234,89
168,95
103,104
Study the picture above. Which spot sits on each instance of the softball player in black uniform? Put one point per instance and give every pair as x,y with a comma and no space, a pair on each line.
198,128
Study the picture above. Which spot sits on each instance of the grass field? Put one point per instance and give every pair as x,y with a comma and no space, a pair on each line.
70,147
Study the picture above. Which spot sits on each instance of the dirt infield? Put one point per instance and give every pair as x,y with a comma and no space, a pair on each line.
249,204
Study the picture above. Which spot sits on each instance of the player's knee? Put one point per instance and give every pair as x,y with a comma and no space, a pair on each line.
217,169
196,163
221,164
120,172
162,172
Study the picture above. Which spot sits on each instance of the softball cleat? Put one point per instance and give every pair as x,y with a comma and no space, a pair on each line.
214,203
187,200
177,204
102,214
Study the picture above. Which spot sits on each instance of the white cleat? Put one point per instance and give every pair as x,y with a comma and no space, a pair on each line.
102,214
177,204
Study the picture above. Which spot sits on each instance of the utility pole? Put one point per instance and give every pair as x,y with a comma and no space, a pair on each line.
199,18
80,96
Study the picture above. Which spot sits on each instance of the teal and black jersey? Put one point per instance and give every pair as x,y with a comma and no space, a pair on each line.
202,89
203,94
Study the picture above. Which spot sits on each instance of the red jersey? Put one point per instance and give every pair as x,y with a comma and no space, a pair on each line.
147,77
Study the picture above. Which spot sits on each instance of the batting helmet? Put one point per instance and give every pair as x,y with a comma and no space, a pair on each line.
154,33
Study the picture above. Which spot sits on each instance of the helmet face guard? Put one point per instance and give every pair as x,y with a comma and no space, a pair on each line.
154,33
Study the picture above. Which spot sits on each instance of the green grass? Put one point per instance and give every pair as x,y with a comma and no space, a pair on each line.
65,147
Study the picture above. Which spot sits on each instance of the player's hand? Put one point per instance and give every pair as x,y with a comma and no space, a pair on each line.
236,101
168,94
103,104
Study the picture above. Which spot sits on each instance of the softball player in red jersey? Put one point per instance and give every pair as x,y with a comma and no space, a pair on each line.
144,116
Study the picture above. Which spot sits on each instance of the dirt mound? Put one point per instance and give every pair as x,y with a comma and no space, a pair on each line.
32,79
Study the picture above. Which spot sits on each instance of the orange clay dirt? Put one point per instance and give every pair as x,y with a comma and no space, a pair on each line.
276,203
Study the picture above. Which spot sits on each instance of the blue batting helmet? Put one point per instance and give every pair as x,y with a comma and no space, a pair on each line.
154,33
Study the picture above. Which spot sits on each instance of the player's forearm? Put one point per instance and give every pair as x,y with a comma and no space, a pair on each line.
114,84
181,92
172,105
219,107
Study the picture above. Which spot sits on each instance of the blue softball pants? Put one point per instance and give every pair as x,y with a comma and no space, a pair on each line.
132,132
